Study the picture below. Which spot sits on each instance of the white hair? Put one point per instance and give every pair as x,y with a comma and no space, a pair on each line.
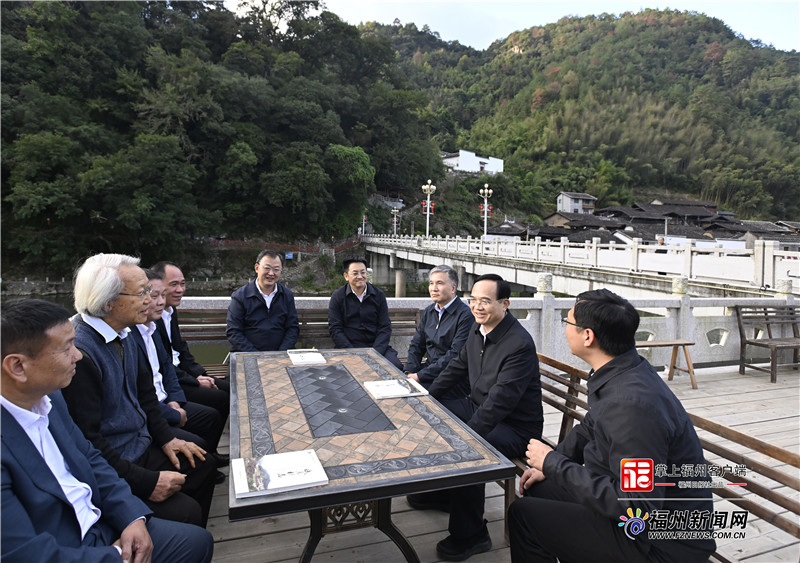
97,282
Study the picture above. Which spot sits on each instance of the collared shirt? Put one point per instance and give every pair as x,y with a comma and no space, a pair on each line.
166,314
268,297
35,424
102,327
440,310
147,330
360,297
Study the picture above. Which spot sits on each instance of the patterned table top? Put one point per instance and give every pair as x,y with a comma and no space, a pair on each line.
370,449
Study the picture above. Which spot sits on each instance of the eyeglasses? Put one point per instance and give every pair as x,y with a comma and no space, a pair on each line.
358,273
483,302
270,270
566,322
141,294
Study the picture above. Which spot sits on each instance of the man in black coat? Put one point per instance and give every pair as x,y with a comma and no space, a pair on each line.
358,315
504,406
197,385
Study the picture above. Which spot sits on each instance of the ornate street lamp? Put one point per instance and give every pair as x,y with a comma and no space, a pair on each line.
486,193
428,189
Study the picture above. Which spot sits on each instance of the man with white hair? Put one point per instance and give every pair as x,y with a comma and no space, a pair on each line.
113,402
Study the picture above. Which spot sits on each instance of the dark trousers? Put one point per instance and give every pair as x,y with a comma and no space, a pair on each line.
192,503
218,399
204,421
548,523
466,503
173,542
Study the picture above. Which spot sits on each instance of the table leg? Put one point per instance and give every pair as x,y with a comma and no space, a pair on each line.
384,524
689,366
317,518
672,362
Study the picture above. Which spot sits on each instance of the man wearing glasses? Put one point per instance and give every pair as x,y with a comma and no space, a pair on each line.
113,401
504,405
579,487
262,316
358,315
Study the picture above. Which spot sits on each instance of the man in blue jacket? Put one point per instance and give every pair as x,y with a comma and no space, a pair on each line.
262,316
358,315
61,500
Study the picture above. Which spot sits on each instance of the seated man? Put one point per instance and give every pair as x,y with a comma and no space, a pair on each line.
192,422
112,399
442,331
198,386
501,368
358,316
262,316
578,486
61,500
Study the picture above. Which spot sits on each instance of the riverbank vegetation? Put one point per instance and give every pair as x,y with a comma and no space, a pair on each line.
149,127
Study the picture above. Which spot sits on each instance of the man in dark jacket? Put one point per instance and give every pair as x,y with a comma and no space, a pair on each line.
504,405
112,399
262,316
601,475
358,316
442,331
197,385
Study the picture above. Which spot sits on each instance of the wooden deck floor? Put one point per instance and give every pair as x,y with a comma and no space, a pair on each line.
748,403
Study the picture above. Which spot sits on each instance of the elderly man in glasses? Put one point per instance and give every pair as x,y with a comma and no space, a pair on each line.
262,316
113,401
504,406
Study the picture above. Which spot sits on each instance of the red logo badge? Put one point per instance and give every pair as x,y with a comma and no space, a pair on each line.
636,474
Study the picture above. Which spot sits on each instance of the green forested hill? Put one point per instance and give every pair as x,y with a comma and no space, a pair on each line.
144,127
619,105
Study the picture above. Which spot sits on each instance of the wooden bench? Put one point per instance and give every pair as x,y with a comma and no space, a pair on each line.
674,344
314,325
765,327
209,325
771,486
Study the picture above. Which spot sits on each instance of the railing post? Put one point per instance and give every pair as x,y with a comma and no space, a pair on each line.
635,254
547,318
688,258
593,256
563,250
684,324
770,246
758,263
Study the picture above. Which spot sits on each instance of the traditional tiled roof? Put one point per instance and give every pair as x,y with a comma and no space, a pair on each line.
578,195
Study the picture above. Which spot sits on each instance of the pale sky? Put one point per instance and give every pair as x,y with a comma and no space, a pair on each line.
478,24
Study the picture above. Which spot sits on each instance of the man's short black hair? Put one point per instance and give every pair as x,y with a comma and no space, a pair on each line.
503,287
270,253
612,318
153,275
161,267
24,324
352,259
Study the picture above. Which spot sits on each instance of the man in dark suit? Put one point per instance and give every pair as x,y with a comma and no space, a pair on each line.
61,501
358,315
190,421
198,386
